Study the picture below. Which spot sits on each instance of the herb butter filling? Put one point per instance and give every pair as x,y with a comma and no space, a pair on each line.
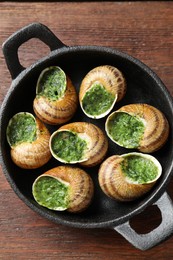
68,146
21,128
51,193
97,100
52,83
139,169
125,129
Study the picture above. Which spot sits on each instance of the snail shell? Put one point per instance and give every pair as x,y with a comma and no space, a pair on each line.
96,143
108,86
56,110
156,126
79,189
31,154
114,182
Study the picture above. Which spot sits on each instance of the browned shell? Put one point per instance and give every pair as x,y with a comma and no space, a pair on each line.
114,184
156,126
59,111
98,143
81,186
108,76
36,154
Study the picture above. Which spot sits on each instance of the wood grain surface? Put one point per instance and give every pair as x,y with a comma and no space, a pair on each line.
143,30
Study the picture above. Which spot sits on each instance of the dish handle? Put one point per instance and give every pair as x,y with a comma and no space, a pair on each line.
156,236
11,45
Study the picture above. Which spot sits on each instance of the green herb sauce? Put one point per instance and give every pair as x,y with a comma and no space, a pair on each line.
68,146
51,193
126,129
52,84
139,169
21,128
97,100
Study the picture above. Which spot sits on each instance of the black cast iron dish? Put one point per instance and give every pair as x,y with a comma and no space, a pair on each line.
143,86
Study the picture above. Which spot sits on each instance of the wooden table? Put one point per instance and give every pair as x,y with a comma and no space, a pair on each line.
143,30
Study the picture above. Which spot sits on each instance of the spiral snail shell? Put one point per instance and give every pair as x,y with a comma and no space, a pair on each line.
100,89
139,126
56,98
129,176
64,188
79,142
29,141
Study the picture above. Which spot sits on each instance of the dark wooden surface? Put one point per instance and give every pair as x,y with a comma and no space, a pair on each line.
143,30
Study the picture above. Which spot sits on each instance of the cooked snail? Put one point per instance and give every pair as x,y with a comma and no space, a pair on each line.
139,126
129,176
64,188
29,141
100,89
56,98
79,142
